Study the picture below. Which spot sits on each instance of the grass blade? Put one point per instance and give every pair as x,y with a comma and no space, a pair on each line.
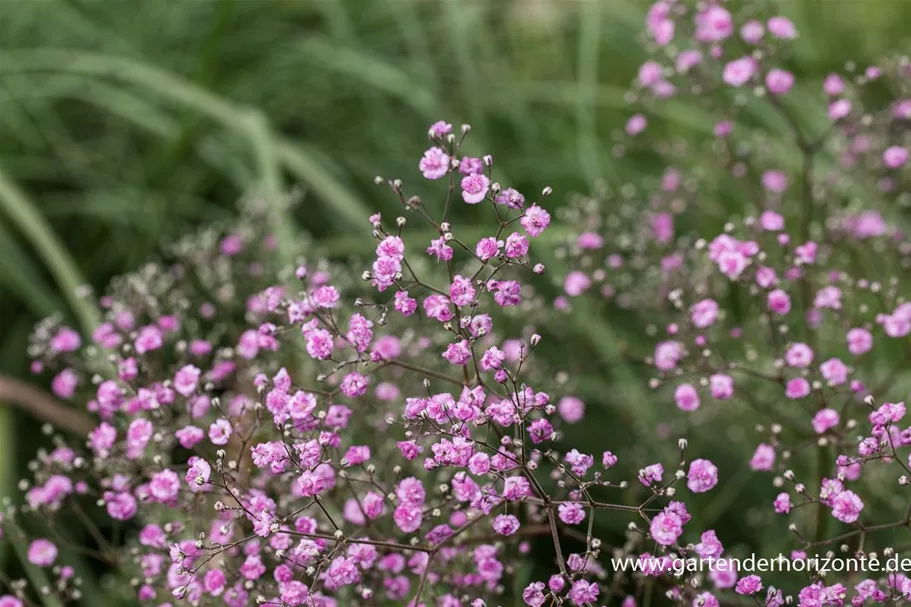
26,217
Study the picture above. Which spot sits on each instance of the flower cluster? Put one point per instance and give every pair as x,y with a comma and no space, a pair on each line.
281,434
272,428
790,313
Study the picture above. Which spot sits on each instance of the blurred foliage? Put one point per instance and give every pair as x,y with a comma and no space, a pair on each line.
124,123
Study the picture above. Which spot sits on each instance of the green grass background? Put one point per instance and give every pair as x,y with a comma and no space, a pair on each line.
123,123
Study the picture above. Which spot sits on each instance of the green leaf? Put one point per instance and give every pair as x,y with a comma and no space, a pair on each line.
26,217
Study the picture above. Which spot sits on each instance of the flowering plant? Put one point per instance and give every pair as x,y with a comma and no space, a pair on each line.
281,433
793,313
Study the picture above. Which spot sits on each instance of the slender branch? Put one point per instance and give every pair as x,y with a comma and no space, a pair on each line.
43,406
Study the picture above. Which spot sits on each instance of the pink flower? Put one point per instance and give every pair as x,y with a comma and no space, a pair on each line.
120,506
705,599
806,253
687,60
799,355
779,302
579,462
42,553
571,409
651,475
220,431
479,464
797,388
102,439
775,181
474,188
666,527
709,546
783,503
902,109
583,592
824,420
471,166
752,31
295,593
373,504
319,344
739,72
828,297
704,313
571,513
505,524
764,458
576,283
650,73
771,221
663,32
198,473
668,354
326,297
461,291
686,397
65,340
437,307
488,248
779,82
535,220
405,305
391,246
533,594
516,246
702,476
833,85
834,371
435,163
354,384
310,483
492,359
721,386
782,28
714,24
148,340
846,506
636,124
64,383
723,128
458,353
895,157
164,486
750,584
859,341
732,264
511,198
408,518
186,379
839,109
439,129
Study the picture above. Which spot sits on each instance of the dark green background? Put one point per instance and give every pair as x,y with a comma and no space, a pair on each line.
123,123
